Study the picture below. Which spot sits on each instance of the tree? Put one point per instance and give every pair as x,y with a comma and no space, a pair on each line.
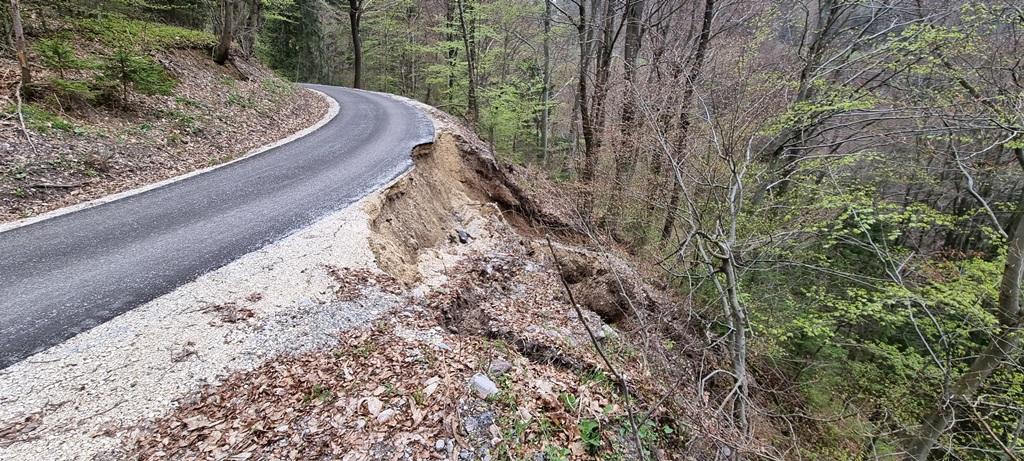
20,46
696,66
355,15
227,31
253,23
467,9
1003,345
545,124
633,19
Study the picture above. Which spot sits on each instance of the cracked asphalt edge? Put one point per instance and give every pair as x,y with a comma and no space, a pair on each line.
82,398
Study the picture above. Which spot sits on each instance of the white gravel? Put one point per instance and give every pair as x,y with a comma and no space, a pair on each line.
83,397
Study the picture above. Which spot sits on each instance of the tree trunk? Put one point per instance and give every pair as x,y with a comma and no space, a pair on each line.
593,114
1006,341
696,67
586,33
452,51
546,113
355,14
469,43
20,46
220,55
252,28
628,128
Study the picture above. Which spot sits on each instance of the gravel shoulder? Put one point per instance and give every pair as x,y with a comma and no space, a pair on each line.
79,400
82,398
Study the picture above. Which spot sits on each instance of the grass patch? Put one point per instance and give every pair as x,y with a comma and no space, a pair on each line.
40,120
119,32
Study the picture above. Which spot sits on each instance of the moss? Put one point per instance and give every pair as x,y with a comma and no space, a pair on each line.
119,32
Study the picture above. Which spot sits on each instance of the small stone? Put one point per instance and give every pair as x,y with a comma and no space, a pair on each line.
483,385
499,367
464,454
439,446
609,332
385,416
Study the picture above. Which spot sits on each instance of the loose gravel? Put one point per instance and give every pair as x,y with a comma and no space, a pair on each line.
80,399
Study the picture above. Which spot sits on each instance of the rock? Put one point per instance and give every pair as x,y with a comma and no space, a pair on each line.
385,416
499,367
483,385
609,332
463,236
439,445
374,406
479,422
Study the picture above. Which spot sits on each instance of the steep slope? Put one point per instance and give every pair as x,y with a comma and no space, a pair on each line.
482,357
85,137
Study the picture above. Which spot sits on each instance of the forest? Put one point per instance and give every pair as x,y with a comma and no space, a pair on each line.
834,187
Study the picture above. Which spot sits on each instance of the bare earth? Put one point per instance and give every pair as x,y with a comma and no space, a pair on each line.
359,338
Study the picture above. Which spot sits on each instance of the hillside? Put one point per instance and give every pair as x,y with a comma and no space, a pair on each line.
83,140
801,221
432,312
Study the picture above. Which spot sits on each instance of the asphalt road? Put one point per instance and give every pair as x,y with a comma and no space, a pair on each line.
62,276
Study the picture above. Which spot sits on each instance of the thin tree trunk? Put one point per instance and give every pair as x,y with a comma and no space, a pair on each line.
1006,341
628,128
546,113
696,68
469,44
252,27
586,33
738,319
19,44
220,55
355,14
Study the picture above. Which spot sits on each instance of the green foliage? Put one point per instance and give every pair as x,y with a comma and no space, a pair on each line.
74,91
556,453
120,33
292,42
241,100
58,55
40,120
134,72
590,432
829,100
509,112
319,393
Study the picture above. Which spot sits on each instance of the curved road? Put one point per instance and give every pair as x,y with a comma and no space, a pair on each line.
64,275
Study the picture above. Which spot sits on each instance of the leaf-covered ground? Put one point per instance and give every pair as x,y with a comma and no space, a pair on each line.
71,153
401,389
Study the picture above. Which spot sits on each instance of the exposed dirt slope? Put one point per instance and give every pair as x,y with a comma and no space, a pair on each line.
486,359
78,152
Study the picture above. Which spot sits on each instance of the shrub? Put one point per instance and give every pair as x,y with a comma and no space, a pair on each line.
134,72
58,55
